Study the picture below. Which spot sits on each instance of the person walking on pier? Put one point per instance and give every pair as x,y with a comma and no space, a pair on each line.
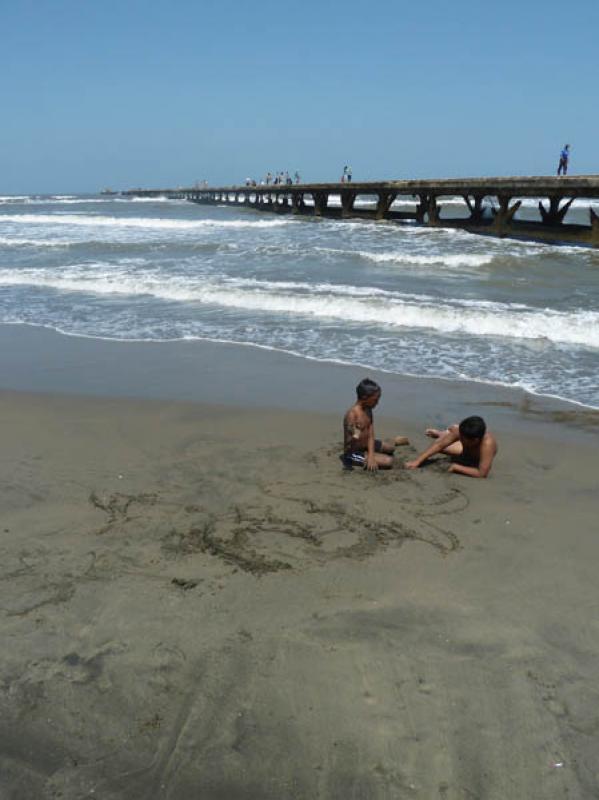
563,160
348,174
268,178
297,176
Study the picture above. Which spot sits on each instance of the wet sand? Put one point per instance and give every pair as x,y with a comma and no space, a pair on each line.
198,602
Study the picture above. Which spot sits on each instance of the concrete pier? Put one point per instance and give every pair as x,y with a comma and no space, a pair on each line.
491,205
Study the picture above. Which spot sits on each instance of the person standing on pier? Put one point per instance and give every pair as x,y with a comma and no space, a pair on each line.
563,160
348,174
268,178
297,176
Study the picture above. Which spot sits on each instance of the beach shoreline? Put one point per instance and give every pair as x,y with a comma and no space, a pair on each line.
197,598
41,360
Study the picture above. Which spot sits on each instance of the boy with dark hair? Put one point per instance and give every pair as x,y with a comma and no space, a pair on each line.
472,447
360,448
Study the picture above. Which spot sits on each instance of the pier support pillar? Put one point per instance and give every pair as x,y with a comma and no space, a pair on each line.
505,214
348,198
422,207
594,228
321,201
433,210
297,201
428,208
384,203
554,215
475,206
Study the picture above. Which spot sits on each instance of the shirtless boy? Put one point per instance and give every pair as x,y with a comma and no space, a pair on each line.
473,448
360,448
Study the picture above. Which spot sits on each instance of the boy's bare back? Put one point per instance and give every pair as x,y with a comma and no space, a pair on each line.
357,423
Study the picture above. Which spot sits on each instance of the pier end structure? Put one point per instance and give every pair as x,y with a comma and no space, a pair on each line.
490,205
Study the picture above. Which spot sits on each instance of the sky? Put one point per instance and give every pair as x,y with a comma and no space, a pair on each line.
140,93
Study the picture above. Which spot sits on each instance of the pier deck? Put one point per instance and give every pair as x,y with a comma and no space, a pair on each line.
491,205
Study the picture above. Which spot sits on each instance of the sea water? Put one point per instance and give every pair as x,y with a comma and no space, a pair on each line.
402,298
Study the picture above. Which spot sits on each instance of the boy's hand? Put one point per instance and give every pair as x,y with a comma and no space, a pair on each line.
371,464
411,465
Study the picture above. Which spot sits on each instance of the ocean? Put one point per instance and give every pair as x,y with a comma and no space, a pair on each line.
399,298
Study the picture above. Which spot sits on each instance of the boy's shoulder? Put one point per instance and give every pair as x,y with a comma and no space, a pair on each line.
352,412
356,412
490,438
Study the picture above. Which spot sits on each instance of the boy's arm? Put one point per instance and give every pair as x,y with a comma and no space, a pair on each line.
487,454
371,463
440,444
347,433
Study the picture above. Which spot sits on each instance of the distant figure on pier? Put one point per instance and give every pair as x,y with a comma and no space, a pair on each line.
288,180
563,160
344,176
348,174
297,176
268,178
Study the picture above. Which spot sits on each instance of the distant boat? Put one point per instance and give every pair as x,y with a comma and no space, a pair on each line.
108,191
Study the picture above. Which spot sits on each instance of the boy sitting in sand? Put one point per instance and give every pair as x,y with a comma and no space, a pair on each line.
473,448
360,448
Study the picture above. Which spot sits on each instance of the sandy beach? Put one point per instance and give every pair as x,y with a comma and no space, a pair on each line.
197,601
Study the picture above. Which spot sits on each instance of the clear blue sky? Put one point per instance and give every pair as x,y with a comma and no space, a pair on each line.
126,93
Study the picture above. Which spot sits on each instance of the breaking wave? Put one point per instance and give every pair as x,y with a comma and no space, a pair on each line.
91,220
344,304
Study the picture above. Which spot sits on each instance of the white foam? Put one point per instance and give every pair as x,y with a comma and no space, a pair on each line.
327,302
446,259
92,220
74,200
13,241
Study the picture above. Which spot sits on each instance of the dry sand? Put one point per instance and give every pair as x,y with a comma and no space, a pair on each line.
197,602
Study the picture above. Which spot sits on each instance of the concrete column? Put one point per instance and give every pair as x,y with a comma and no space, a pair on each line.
348,198
504,216
422,207
321,201
476,207
433,211
297,201
384,203
594,228
554,215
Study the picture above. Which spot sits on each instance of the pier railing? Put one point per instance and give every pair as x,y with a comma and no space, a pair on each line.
490,205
